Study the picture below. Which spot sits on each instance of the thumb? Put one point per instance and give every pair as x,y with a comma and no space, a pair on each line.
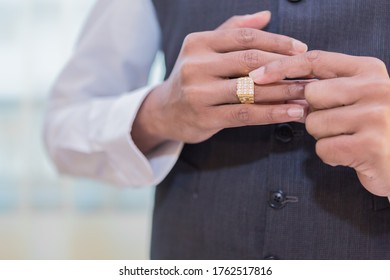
257,21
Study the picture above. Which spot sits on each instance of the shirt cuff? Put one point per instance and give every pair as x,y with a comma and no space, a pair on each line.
136,168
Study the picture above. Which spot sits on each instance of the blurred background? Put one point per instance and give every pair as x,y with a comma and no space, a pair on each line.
44,215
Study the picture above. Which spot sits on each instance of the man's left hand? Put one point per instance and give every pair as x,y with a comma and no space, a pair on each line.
350,110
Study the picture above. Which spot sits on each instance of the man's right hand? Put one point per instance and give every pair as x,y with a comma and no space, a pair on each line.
199,98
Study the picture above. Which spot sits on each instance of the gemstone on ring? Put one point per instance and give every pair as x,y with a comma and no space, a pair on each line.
246,90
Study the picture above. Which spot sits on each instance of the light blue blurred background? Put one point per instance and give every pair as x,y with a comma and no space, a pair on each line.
43,215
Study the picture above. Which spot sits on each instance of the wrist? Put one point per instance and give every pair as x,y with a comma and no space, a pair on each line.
147,131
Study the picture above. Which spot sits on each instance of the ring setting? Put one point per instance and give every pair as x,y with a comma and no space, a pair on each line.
246,90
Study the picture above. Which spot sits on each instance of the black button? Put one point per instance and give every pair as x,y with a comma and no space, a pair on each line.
294,1
284,133
277,200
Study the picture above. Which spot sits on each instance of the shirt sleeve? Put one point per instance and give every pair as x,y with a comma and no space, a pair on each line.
95,100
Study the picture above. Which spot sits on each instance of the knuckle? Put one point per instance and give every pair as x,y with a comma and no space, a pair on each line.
190,41
280,42
241,115
250,59
312,56
293,91
340,152
327,151
188,69
373,65
279,64
191,96
377,62
269,115
245,36
289,91
312,60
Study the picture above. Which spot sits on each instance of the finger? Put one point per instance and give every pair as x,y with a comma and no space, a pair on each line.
338,150
225,116
332,93
240,63
304,104
225,92
228,40
258,21
326,94
332,122
301,102
320,64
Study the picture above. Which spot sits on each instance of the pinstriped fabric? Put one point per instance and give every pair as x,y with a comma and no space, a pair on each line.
206,208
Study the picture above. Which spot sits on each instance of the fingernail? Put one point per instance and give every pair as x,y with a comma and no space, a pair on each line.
257,74
299,47
265,13
259,14
295,112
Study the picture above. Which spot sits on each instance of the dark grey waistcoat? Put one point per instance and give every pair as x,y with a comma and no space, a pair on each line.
259,192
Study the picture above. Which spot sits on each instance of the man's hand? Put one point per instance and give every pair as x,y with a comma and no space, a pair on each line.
350,110
199,98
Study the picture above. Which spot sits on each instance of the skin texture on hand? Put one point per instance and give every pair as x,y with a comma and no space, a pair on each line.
349,110
199,98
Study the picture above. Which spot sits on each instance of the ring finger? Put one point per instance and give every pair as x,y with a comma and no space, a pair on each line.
225,92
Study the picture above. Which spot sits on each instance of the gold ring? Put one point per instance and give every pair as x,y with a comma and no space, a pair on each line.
246,90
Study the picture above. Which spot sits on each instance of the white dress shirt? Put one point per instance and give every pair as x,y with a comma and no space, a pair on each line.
98,94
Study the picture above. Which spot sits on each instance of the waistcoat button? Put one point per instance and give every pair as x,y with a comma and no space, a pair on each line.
277,199
294,1
284,133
